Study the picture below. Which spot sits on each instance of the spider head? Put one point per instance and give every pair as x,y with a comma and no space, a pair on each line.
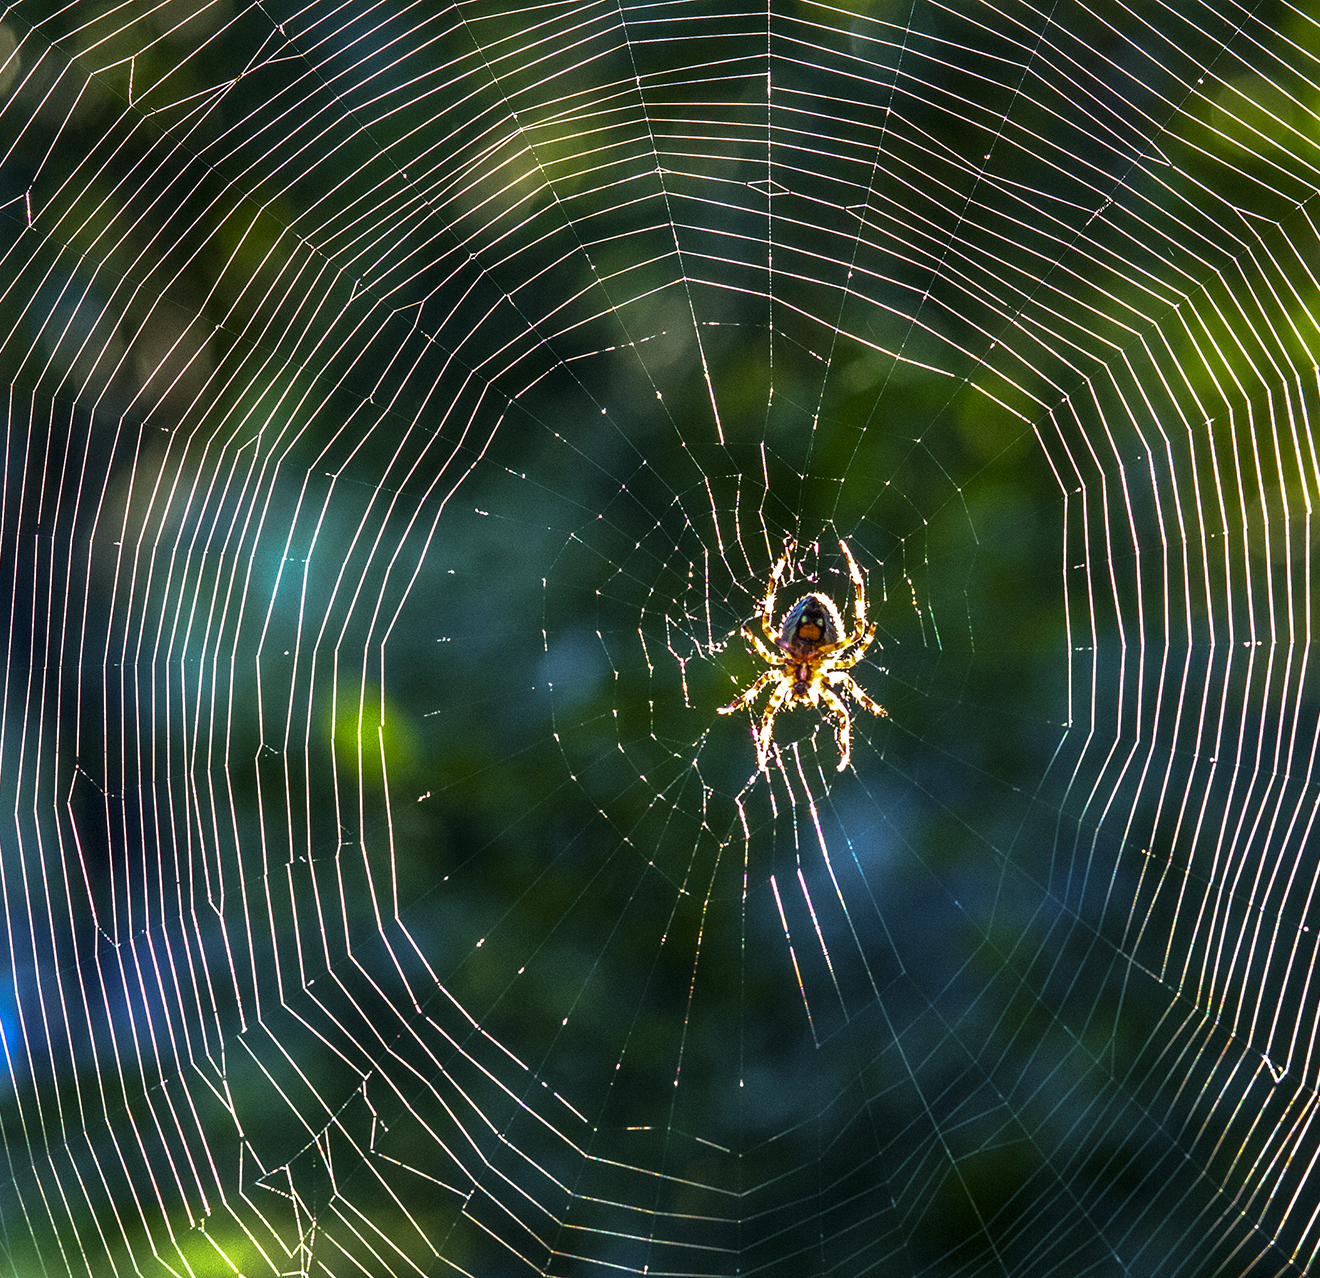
813,622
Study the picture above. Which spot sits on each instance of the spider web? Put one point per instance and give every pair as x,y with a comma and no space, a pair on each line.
406,407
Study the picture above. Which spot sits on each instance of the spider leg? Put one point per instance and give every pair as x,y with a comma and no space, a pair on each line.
846,659
837,711
765,736
744,699
846,683
768,655
862,633
768,603
859,591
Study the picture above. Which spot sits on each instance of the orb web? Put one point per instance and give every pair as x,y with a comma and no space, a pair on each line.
407,407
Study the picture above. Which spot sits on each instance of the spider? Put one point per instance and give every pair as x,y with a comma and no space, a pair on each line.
808,659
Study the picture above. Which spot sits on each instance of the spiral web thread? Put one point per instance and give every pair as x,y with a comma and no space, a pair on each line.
406,407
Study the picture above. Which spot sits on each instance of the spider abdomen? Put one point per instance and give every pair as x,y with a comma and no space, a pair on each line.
813,622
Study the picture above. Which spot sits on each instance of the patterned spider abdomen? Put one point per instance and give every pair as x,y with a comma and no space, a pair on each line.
812,622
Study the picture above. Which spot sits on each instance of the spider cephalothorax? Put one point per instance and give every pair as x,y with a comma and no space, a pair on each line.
808,659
